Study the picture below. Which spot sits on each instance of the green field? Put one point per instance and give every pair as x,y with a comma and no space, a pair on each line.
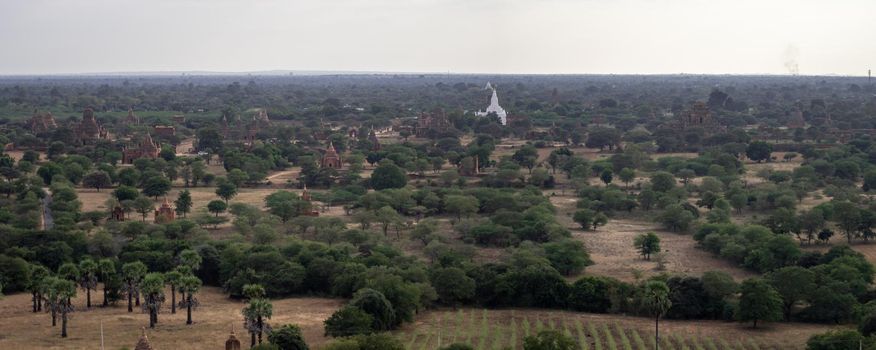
484,331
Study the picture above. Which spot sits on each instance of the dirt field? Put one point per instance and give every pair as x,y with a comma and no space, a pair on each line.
445,326
611,248
21,329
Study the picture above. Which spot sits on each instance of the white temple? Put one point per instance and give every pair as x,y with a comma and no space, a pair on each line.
494,107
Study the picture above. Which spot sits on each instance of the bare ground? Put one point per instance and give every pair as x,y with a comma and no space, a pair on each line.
21,329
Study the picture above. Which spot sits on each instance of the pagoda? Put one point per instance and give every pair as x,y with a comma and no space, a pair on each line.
164,213
331,159
494,107
88,130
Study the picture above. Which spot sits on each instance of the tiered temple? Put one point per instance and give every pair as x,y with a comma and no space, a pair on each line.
41,122
494,107
147,148
88,131
331,159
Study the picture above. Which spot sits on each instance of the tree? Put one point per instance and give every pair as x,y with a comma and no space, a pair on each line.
107,271
461,205
156,186
388,175
842,339
627,175
387,216
217,207
226,190
37,285
347,321
759,151
847,217
647,244
188,286
585,218
97,180
88,278
144,206
183,203
567,256
452,285
675,218
288,337
172,278
375,304
257,312
793,283
606,176
549,340
759,301
132,274
153,295
527,157
655,302
662,181
61,292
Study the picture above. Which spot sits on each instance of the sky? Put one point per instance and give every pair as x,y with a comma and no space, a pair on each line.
812,37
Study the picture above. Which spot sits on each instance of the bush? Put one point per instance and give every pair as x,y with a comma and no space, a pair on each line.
347,321
287,337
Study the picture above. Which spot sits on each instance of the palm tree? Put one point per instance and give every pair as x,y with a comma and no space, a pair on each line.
107,270
69,272
257,312
88,278
191,259
52,298
133,273
37,285
153,293
655,301
58,294
173,278
188,286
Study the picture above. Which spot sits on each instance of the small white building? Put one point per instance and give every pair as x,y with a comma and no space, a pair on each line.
494,107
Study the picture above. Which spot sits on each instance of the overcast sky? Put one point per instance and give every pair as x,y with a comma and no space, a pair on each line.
459,36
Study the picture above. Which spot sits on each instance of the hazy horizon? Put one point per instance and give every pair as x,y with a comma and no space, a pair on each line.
653,37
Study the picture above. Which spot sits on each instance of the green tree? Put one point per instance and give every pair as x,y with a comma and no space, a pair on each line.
793,283
460,205
183,203
288,337
217,207
759,151
452,285
226,190
647,244
61,292
567,256
847,217
107,272
153,295
97,180
655,302
662,181
627,175
173,278
348,321
606,176
144,206
88,271
132,275
188,286
37,285
388,175
257,312
387,216
156,186
759,301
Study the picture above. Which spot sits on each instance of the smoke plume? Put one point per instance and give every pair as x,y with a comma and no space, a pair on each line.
791,54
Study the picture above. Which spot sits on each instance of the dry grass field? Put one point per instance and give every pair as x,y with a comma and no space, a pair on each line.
21,329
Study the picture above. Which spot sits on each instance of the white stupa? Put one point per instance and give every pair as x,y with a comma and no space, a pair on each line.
494,107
